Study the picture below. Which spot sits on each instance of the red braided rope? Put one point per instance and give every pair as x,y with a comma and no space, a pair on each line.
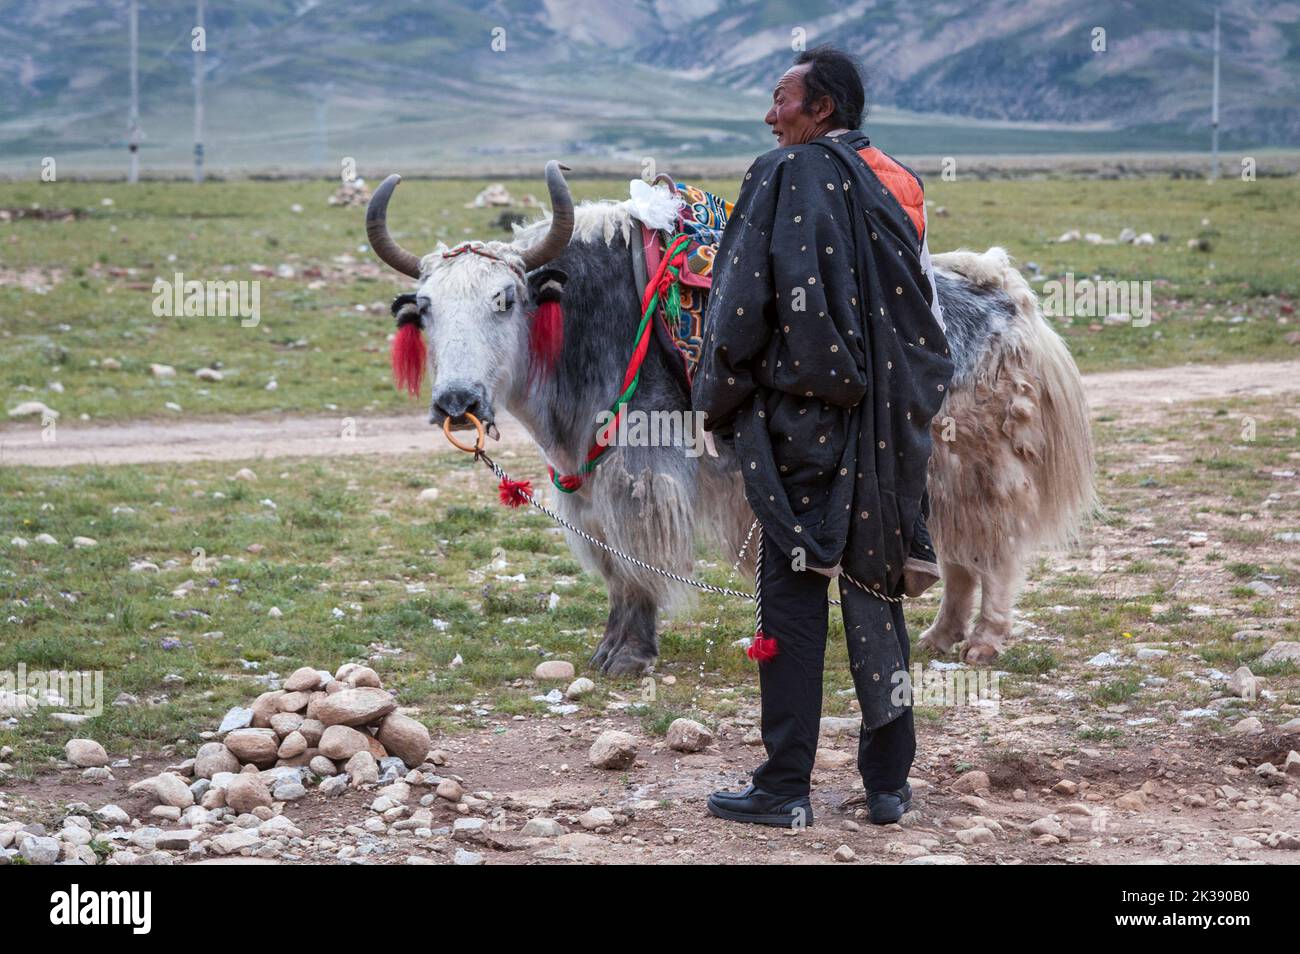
665,275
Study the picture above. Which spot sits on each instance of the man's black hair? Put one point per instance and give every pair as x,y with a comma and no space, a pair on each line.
836,74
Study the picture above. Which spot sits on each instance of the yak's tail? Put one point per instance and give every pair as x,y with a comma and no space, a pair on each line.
1039,412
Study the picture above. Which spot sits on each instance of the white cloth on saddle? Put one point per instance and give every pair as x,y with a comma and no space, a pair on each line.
654,205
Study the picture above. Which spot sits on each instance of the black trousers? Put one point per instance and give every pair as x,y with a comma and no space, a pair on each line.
795,611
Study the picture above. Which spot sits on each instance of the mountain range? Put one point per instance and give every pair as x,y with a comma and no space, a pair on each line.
300,84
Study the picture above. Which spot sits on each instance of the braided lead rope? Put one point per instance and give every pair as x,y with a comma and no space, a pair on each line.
720,590
758,588
677,578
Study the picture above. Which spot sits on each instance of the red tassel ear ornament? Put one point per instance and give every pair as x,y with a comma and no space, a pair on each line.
409,355
546,332
762,648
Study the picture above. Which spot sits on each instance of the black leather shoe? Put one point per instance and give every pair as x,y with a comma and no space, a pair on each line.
888,807
762,808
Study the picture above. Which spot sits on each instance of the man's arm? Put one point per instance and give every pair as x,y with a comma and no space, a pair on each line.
738,321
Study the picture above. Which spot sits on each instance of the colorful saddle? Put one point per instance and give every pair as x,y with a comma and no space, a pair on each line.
702,219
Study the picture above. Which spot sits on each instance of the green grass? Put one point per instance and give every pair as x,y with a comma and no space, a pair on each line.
414,585
411,580
324,340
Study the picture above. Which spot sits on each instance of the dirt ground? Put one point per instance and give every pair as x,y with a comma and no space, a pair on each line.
1201,801
139,442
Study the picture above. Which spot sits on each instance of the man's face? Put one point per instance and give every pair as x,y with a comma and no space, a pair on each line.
790,123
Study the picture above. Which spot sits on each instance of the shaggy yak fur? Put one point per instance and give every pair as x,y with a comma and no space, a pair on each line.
1011,472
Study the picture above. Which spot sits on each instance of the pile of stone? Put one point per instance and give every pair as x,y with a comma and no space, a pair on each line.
330,724
1127,236
351,193
343,730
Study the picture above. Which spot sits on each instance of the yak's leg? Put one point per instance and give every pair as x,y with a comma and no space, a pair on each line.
953,622
998,585
630,644
630,634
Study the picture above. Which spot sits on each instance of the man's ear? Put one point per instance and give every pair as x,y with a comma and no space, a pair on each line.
823,109
546,284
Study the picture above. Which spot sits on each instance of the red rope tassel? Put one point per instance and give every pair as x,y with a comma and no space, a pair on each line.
513,491
409,357
546,337
763,647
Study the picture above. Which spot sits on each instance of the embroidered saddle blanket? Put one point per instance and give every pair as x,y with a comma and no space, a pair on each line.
703,217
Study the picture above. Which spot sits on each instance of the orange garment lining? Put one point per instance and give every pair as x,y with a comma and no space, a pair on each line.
901,183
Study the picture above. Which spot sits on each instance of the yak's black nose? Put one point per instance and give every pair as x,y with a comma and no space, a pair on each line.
457,400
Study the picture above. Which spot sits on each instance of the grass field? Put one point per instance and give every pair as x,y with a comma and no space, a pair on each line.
73,294
360,568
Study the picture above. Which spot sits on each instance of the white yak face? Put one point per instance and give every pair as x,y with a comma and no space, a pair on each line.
474,311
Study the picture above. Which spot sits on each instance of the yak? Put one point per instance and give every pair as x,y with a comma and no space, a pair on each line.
1011,470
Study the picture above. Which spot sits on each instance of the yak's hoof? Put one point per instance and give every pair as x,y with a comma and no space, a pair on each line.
627,662
978,654
607,646
939,643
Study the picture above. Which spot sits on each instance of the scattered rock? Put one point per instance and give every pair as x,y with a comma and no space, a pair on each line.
450,789
39,850
613,749
687,735
1244,684
543,828
972,783
305,679
554,669
1281,652
235,841
579,688
85,753
596,818
936,860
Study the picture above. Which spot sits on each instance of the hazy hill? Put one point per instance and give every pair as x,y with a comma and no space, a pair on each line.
300,84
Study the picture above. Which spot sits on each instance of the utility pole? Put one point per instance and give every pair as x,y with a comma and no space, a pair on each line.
1214,106
200,43
133,121
321,93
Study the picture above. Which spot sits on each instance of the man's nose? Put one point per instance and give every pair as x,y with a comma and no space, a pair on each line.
770,118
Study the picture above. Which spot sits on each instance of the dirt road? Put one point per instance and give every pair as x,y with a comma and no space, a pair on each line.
248,438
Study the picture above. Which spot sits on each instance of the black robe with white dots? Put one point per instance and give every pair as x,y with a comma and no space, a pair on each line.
824,358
